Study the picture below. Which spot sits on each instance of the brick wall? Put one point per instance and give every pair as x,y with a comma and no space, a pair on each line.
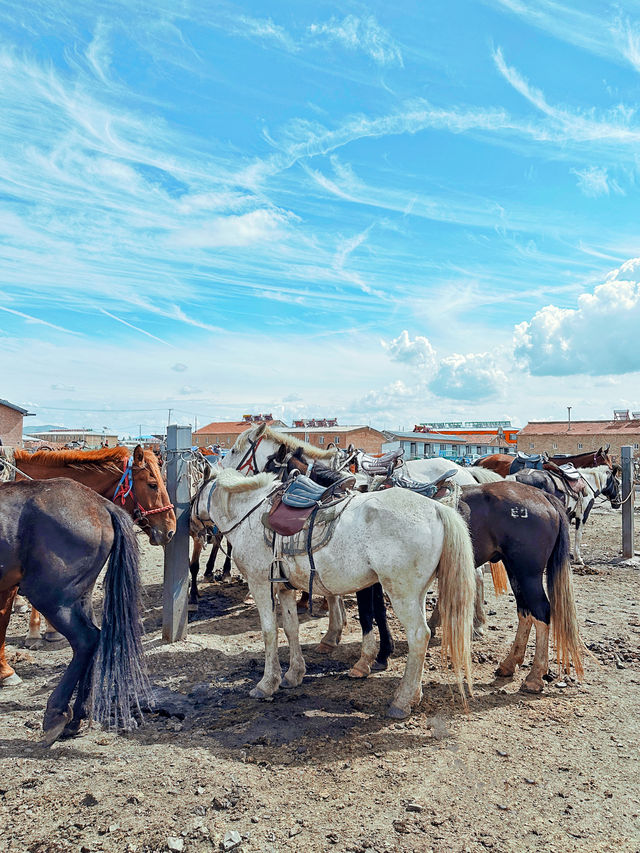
10,427
365,438
577,443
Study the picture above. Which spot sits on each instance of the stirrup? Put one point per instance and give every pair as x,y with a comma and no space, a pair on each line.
282,578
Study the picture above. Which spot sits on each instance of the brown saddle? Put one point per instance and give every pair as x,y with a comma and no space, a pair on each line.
293,506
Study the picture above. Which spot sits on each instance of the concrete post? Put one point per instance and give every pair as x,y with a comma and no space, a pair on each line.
628,496
176,553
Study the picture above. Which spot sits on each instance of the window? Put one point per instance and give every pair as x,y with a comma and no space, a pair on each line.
413,449
320,439
635,446
555,445
531,445
336,439
579,446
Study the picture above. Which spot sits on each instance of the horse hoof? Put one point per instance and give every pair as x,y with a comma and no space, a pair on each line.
532,686
33,642
258,693
54,637
54,726
288,685
478,634
397,713
11,680
76,728
379,665
358,672
501,673
21,608
325,648
208,576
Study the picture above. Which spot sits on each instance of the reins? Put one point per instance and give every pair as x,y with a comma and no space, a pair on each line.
126,487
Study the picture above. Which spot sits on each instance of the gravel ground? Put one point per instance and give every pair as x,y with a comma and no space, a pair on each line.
321,768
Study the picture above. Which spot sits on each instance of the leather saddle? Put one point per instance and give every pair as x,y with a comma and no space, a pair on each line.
384,464
300,498
428,490
524,460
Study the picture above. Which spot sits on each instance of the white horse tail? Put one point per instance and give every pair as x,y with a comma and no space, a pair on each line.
456,594
483,475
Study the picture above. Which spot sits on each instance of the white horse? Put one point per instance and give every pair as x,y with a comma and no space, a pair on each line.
395,537
599,481
428,470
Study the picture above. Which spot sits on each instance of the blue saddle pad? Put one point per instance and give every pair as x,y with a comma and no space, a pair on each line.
302,492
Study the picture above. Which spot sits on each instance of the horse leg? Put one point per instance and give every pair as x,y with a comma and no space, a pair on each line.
435,621
80,710
294,675
51,634
578,542
303,603
194,566
479,616
34,634
20,604
515,657
272,676
83,636
8,676
386,638
226,569
409,609
211,561
534,682
362,667
337,621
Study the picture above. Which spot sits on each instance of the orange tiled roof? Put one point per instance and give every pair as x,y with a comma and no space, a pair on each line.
227,427
581,427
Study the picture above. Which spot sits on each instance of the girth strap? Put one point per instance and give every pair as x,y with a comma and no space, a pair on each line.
312,564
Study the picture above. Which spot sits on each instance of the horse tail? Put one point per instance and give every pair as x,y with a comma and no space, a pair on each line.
484,475
456,594
499,578
564,621
120,682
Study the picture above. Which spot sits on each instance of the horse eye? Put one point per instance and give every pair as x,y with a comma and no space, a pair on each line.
153,486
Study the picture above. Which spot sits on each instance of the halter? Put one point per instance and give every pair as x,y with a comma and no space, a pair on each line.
127,487
249,460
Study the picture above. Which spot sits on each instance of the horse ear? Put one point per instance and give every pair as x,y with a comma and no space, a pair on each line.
606,450
260,430
138,455
281,453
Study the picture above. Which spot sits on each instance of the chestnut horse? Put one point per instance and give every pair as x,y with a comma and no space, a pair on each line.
501,462
54,540
131,480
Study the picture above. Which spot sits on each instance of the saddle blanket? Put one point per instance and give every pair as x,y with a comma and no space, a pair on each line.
296,544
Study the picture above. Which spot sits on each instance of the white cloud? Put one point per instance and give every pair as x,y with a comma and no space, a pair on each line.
259,226
598,337
594,181
179,367
364,34
417,352
472,377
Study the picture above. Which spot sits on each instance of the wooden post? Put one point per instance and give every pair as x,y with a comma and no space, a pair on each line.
176,553
628,497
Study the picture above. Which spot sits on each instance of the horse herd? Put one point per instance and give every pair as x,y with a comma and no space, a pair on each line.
359,527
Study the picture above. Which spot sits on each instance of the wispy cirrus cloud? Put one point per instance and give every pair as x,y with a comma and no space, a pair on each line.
594,181
361,34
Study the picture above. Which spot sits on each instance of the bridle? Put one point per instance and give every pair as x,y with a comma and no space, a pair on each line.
249,460
126,487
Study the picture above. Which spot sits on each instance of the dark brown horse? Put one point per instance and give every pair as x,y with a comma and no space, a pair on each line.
55,537
131,480
501,462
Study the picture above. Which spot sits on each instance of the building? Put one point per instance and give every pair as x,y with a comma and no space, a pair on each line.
363,437
225,433
89,439
485,434
11,419
580,436
448,443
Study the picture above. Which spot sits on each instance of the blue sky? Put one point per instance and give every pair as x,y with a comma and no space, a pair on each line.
384,213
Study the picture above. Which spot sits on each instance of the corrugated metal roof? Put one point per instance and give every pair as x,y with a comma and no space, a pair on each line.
16,408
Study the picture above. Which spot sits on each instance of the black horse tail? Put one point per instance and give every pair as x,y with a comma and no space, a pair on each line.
120,682
564,621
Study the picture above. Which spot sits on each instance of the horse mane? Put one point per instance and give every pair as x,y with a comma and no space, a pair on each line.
233,481
290,442
102,457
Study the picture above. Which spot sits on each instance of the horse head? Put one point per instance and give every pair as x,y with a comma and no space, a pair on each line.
612,490
153,511
601,457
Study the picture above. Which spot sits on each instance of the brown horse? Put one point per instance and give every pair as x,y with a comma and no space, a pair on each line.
131,480
501,462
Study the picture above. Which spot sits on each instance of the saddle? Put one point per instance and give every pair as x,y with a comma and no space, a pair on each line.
436,489
537,461
384,464
300,498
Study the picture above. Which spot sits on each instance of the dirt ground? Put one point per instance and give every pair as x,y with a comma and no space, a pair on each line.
321,768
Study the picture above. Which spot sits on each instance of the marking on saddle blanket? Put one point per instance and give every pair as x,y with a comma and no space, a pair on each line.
296,545
519,512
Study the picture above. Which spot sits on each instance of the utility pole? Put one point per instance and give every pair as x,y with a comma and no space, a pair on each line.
569,417
169,419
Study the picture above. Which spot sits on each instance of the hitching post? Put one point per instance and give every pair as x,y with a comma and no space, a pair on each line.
176,553
627,506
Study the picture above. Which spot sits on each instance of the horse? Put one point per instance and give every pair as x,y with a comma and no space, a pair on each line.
371,606
395,537
578,504
132,480
54,540
502,463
